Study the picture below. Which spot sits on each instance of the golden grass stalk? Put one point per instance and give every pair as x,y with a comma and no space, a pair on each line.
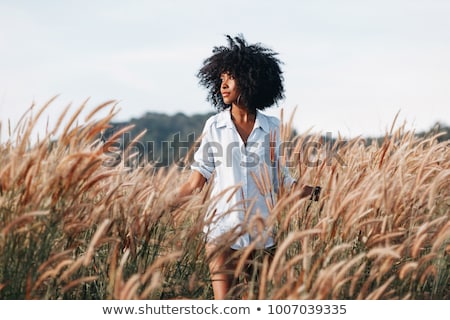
72,224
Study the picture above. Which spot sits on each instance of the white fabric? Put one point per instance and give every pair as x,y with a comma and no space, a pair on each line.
224,160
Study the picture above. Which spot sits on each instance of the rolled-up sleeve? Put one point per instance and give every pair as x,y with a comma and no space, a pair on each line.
286,178
203,156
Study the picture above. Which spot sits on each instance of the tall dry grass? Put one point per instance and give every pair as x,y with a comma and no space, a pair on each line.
75,227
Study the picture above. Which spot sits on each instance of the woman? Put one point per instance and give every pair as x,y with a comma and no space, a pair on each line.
238,154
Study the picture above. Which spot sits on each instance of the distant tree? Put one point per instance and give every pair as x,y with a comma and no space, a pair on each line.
438,128
167,138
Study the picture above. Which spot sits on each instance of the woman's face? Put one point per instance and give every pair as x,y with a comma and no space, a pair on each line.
228,88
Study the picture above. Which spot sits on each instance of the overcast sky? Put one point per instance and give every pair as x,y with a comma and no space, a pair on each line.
349,66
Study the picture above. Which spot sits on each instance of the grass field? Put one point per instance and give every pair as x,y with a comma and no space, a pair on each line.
74,227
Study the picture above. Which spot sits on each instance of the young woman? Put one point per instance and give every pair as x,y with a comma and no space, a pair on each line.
238,154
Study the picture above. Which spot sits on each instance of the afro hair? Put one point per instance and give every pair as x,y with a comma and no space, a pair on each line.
256,70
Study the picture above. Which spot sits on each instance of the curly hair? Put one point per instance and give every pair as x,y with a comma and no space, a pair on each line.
256,70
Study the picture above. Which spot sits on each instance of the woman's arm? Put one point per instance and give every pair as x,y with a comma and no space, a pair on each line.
195,182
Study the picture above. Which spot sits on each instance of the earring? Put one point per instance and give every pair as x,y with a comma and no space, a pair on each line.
238,99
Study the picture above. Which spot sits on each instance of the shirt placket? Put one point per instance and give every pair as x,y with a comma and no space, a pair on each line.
244,170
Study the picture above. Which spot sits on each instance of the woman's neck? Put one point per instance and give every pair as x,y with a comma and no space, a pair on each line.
242,115
243,120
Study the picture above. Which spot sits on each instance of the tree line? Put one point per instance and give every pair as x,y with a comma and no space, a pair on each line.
167,139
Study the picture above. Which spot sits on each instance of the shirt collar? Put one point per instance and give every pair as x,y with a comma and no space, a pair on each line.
224,120
262,122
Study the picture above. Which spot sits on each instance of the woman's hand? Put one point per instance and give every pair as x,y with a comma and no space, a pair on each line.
194,183
312,192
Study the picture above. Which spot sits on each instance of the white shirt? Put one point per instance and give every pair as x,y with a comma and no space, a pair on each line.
237,172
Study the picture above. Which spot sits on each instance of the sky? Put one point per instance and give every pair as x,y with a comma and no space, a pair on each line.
349,66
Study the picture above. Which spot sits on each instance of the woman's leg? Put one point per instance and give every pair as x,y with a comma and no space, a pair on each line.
253,267
221,267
